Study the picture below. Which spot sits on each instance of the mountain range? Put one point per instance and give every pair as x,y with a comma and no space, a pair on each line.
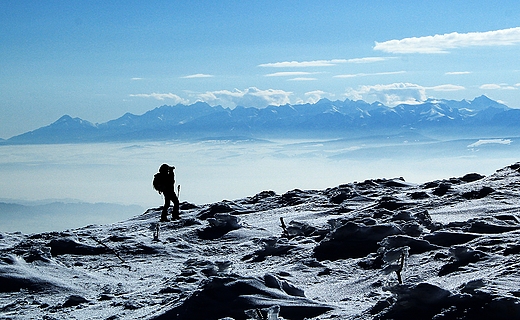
324,118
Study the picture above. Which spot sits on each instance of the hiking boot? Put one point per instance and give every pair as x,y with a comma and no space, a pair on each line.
176,217
164,219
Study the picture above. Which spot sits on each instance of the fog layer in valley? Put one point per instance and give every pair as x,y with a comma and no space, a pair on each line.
213,170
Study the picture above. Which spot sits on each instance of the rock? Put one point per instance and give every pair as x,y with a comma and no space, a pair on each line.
461,256
261,196
391,204
353,240
271,247
421,301
419,195
295,197
448,238
488,227
471,177
187,206
412,228
425,219
272,281
442,189
416,246
219,225
226,206
220,297
296,228
339,197
219,207
396,183
74,300
69,246
478,194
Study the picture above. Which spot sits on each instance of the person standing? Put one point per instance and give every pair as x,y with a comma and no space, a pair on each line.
164,182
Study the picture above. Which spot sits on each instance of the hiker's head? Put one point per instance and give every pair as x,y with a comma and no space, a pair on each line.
165,168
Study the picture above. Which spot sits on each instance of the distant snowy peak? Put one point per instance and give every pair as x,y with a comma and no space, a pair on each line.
68,121
323,118
477,104
483,102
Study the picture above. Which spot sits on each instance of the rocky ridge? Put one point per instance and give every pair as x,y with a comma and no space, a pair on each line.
376,249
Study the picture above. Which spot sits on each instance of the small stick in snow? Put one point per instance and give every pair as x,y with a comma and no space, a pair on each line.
110,249
401,266
156,233
285,232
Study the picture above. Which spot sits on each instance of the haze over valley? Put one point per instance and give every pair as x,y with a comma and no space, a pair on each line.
233,153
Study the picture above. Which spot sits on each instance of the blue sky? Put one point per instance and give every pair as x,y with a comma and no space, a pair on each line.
99,59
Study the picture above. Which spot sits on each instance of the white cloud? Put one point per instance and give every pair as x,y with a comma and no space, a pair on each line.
454,73
304,64
303,79
315,96
289,74
498,86
136,79
251,97
441,43
352,75
490,86
322,63
446,87
390,94
197,76
490,141
368,74
161,96
369,59
396,93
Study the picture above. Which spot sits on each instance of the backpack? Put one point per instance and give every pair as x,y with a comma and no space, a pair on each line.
158,182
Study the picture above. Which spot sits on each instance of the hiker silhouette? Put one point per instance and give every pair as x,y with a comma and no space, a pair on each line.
164,182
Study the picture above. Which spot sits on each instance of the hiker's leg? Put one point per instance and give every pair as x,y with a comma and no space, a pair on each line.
164,215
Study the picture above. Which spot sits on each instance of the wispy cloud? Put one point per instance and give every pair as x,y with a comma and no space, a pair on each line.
161,96
498,86
304,64
354,75
197,76
136,79
441,43
322,63
251,97
454,73
369,59
315,96
302,79
389,94
490,141
289,74
446,87
396,93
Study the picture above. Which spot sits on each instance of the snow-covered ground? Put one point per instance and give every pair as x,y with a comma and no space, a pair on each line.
454,243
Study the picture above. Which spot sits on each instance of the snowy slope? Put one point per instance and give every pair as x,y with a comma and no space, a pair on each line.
336,259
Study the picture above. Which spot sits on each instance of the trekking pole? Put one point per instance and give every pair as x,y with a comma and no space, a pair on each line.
179,191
